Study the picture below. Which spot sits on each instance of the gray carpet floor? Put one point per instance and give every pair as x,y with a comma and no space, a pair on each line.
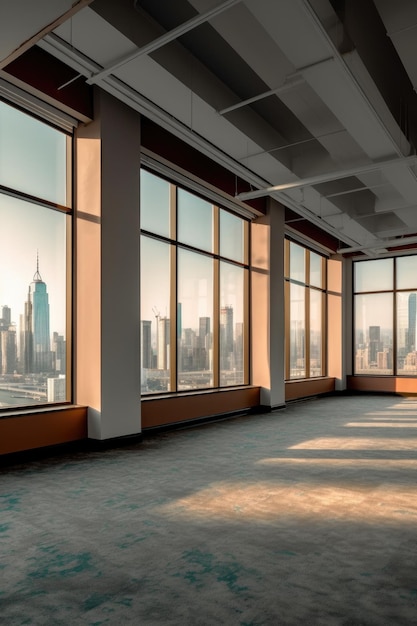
306,515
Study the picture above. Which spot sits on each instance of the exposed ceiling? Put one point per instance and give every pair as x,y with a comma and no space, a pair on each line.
312,102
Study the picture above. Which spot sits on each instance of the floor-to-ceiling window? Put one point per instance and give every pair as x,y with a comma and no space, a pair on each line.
35,213
305,292
194,290
385,294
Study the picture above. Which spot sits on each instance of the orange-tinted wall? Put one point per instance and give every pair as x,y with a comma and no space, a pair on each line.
297,389
387,384
42,429
164,411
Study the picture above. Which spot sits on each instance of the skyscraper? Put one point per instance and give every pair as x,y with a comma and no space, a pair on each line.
146,343
226,337
8,353
34,337
163,341
412,309
374,343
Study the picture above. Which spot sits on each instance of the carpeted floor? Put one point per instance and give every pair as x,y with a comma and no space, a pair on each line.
306,516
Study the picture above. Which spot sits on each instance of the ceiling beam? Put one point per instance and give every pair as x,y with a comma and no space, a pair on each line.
398,242
161,41
327,177
286,86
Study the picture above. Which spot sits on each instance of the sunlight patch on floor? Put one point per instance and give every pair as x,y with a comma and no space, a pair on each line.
288,501
387,424
374,464
357,443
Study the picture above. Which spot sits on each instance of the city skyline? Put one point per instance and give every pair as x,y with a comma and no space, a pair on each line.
43,238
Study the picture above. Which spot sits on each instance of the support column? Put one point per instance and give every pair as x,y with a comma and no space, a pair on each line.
268,314
107,331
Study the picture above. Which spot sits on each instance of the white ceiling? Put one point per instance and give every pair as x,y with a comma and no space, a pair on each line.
268,88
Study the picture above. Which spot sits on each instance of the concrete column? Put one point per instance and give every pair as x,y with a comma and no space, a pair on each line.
267,306
107,332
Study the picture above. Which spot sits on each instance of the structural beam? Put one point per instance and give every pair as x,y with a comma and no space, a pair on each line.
159,42
327,177
381,244
286,86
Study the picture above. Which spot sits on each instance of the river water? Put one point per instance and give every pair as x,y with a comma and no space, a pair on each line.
7,400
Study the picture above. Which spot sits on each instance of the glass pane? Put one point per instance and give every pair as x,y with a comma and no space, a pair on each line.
32,156
315,332
195,323
316,273
155,313
297,262
32,304
374,334
406,333
231,324
232,243
195,221
297,331
154,204
374,275
406,267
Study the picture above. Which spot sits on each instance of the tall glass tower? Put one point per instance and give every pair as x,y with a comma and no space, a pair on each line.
37,344
412,307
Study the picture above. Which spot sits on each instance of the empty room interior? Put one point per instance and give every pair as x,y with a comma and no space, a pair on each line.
208,312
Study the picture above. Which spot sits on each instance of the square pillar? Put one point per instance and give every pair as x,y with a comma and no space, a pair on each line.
267,306
107,312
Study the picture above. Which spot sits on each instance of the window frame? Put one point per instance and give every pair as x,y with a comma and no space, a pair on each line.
395,291
55,119
217,259
308,287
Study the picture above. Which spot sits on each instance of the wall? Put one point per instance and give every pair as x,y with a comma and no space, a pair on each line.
42,428
160,411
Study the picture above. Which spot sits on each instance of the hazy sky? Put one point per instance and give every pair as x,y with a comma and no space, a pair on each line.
32,160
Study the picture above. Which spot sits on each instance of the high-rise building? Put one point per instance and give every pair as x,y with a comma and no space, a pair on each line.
35,342
412,310
56,389
374,343
163,343
59,352
146,344
202,351
226,337
8,349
